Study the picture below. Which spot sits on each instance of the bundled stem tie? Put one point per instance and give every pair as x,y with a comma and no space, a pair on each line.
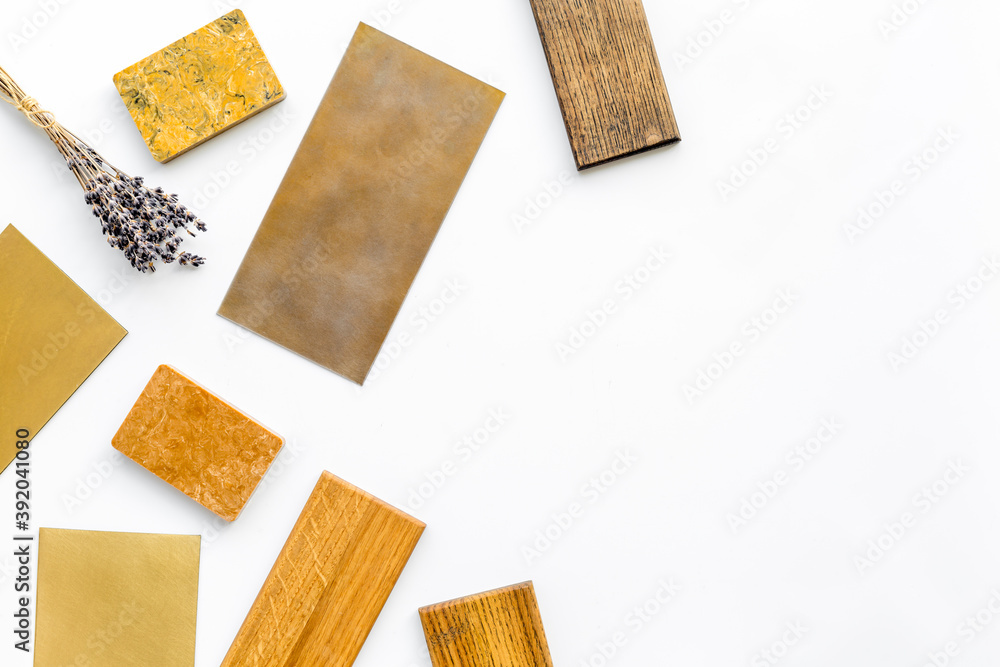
29,107
144,223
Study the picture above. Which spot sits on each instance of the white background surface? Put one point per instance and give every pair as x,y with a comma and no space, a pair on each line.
525,289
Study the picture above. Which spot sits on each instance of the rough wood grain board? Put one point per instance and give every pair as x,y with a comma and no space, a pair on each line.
499,628
607,78
330,581
360,204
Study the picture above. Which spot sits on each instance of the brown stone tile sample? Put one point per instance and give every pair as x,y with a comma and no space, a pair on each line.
329,583
199,86
360,204
498,627
195,441
607,77
52,337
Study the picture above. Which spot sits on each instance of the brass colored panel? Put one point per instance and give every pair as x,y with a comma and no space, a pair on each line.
199,86
329,582
360,204
116,599
499,627
52,337
192,439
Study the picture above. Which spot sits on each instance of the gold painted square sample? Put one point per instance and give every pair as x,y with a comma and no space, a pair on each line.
52,337
116,599
356,213
330,581
195,441
199,86
499,627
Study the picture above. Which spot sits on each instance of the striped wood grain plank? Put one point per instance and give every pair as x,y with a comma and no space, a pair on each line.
329,582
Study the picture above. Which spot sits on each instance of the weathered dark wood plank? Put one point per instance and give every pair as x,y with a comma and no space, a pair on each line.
607,77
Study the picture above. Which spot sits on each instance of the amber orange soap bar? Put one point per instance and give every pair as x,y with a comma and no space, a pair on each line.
199,86
203,446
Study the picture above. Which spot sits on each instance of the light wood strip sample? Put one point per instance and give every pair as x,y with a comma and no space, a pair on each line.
52,337
197,442
199,86
330,581
361,203
607,78
499,628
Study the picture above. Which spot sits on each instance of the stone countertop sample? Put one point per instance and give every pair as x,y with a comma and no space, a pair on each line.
199,86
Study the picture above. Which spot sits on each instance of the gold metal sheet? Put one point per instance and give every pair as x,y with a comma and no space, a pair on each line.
360,204
199,86
195,441
116,599
52,337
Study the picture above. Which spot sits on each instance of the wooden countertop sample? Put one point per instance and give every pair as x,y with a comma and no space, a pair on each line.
499,628
196,442
330,581
607,78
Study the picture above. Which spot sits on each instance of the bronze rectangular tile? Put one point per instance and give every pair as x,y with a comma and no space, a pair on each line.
329,583
196,442
499,627
607,77
360,204
52,337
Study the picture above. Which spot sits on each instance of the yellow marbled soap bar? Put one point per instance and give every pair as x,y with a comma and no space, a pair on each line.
199,86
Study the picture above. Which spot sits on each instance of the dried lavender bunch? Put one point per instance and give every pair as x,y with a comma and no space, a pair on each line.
143,223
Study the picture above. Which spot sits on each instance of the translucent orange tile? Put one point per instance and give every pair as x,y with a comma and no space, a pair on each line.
192,439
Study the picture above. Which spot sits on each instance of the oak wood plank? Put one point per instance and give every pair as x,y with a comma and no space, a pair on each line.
498,628
607,78
330,581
